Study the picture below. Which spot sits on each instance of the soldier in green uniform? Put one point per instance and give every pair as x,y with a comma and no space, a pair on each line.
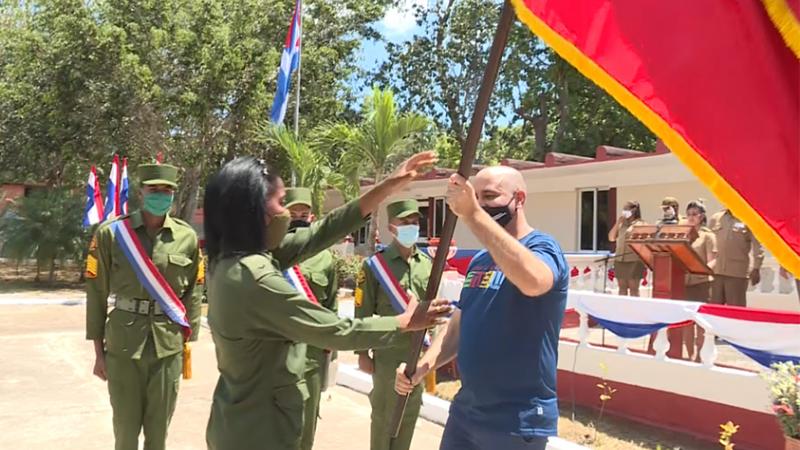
411,269
138,349
319,272
258,319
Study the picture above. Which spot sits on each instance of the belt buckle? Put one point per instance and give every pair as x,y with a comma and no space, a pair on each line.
143,307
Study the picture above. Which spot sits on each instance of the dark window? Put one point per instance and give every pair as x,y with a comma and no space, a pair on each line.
360,236
594,220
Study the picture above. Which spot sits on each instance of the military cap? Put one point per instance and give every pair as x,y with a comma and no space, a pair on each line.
669,201
298,196
402,208
151,174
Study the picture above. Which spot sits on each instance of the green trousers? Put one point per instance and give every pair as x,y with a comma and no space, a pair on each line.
383,399
143,393
311,408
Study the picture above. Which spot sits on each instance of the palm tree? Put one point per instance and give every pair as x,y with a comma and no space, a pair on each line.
310,167
46,226
372,147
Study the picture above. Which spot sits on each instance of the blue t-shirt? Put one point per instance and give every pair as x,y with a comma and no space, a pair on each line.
508,346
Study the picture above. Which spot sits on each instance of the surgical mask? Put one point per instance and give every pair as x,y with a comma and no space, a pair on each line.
298,223
157,203
501,214
407,235
277,228
627,214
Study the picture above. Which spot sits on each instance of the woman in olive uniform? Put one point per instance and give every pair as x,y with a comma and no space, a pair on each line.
628,268
257,318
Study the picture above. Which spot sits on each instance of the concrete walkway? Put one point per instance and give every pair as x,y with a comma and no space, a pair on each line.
49,398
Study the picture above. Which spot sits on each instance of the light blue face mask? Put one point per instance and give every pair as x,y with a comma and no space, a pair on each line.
407,235
157,203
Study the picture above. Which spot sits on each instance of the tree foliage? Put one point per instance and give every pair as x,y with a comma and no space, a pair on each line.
539,104
373,146
46,226
193,79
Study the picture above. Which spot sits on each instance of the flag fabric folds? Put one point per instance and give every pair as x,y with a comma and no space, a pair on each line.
112,191
715,80
764,336
123,188
290,60
93,214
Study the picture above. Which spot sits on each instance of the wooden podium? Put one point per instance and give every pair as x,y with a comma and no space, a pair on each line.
667,251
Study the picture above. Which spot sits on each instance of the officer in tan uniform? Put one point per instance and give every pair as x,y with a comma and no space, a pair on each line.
739,256
138,349
671,210
698,287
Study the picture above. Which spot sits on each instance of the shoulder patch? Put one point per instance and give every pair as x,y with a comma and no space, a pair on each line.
258,265
93,244
361,277
91,267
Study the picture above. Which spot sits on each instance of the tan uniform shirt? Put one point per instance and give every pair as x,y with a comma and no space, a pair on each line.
705,243
623,253
735,242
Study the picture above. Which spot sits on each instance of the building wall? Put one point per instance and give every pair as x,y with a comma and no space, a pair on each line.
553,194
650,196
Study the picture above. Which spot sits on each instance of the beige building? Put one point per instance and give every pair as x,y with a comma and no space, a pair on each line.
576,199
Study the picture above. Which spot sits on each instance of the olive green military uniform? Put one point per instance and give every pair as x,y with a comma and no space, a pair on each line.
143,346
257,320
320,274
735,243
371,299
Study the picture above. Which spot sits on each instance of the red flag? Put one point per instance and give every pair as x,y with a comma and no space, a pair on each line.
713,79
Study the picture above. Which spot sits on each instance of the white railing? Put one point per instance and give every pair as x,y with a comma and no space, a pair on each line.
589,272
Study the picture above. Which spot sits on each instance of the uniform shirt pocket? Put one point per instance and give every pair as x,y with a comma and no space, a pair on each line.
289,401
178,272
319,279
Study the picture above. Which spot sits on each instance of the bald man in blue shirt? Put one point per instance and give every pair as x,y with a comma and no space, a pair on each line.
506,328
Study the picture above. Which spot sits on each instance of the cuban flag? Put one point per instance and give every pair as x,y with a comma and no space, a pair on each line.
112,191
123,188
290,60
93,214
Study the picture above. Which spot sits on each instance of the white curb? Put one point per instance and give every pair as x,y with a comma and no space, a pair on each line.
434,408
10,301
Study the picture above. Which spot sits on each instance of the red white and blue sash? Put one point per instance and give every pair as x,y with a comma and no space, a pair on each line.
295,277
149,276
397,295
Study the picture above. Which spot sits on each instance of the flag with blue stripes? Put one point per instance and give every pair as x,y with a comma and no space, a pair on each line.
112,191
123,188
290,60
93,214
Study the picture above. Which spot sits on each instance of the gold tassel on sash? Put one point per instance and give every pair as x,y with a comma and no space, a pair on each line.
187,361
430,382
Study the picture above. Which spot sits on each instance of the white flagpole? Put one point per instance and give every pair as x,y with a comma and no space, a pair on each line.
297,99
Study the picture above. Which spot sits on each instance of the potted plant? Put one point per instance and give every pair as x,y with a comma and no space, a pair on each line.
784,388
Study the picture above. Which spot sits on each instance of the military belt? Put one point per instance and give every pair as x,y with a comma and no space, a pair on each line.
139,306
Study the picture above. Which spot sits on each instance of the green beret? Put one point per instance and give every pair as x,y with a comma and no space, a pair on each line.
151,174
402,208
298,196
